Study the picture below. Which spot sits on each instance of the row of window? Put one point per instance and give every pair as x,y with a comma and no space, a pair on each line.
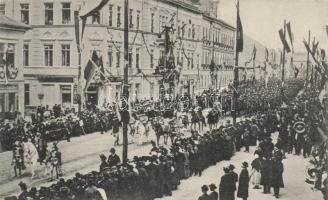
48,13
218,37
48,55
219,58
183,29
118,17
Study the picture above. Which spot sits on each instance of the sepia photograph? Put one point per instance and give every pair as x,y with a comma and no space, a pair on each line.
163,99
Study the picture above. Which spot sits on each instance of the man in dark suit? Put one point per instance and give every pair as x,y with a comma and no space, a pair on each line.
113,158
227,186
234,177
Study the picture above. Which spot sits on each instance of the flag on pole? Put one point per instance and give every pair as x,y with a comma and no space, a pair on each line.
315,45
283,40
240,39
266,56
91,69
254,52
323,54
289,30
77,28
94,10
102,69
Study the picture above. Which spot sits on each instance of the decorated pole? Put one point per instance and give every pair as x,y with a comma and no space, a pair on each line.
77,38
125,107
283,63
238,48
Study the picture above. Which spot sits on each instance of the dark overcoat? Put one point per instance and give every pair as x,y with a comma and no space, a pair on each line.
226,189
266,172
243,184
213,196
277,171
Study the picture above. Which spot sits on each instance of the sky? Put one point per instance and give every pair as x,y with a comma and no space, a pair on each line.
262,20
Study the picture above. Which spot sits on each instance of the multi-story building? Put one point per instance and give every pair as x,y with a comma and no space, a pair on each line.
11,73
218,46
51,57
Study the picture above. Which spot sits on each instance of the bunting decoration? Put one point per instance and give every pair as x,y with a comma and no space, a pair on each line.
283,40
8,71
240,39
91,12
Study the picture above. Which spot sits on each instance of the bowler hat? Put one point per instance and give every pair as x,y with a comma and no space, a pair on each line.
231,167
112,150
212,186
205,188
245,164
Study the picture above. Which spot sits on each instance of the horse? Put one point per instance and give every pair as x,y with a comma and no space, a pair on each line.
183,120
161,128
213,118
31,156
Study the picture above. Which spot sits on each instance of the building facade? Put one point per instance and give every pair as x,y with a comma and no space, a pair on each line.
49,49
11,73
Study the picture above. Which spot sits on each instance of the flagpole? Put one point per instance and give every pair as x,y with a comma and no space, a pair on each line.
77,38
308,60
235,71
125,112
254,65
